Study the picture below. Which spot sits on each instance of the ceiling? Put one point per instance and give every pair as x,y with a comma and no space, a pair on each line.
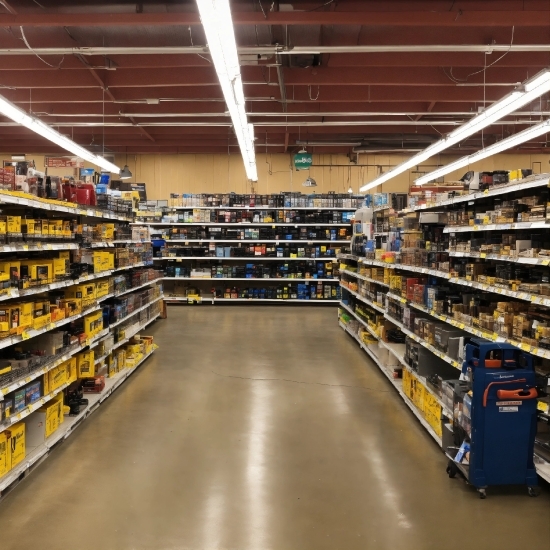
336,75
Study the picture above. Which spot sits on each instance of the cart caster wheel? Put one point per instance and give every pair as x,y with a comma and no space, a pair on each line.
482,494
533,492
451,470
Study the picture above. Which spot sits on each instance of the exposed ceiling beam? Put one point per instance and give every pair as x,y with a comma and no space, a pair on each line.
420,18
428,110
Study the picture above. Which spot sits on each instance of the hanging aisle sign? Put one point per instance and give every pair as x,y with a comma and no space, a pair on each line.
303,161
63,162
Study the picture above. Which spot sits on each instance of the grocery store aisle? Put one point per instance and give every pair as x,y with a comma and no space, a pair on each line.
258,428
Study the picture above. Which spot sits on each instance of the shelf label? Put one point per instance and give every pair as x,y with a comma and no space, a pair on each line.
25,335
545,262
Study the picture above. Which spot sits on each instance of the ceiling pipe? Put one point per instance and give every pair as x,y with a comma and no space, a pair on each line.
279,50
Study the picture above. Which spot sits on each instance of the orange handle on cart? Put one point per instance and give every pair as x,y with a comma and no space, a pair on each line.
486,392
518,394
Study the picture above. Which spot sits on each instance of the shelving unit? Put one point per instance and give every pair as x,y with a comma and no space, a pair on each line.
392,261
230,253
131,323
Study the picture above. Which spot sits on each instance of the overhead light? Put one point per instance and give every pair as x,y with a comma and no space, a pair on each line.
530,90
508,143
350,190
220,36
125,173
7,108
310,182
152,101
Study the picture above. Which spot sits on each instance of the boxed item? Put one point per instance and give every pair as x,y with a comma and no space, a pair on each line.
85,364
43,423
442,335
5,466
16,442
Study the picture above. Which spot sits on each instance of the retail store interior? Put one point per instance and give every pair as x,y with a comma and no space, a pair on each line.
274,275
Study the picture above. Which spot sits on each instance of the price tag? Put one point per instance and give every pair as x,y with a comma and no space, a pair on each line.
545,262
486,192
25,335
476,228
542,406
495,336
28,379
525,347
25,247
49,247
482,255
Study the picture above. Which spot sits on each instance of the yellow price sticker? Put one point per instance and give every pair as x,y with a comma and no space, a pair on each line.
486,192
476,228
495,336
545,262
25,335
542,406
525,347
25,247
483,255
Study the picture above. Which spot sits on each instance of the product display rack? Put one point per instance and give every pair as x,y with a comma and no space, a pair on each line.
483,223
133,322
231,243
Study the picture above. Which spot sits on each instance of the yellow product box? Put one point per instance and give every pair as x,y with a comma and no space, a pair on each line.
16,435
93,323
70,369
26,314
112,365
65,255
147,343
57,228
3,225
5,314
98,261
85,367
14,224
108,231
102,288
109,259
38,271
121,359
72,306
67,231
4,454
28,227
41,313
55,378
59,267
56,313
85,292
418,395
12,268
132,349
432,413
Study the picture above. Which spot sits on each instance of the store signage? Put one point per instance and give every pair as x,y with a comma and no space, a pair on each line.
63,162
303,161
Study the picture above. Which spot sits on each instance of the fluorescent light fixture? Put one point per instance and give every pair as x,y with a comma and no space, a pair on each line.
508,143
220,36
8,109
530,90
19,158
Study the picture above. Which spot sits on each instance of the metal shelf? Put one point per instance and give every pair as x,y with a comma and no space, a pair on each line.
500,258
363,278
264,207
496,227
117,294
244,224
136,311
245,258
398,385
279,280
533,182
363,299
255,300
277,241
67,428
58,206
37,247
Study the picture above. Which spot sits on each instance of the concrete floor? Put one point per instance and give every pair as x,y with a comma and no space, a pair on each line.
259,428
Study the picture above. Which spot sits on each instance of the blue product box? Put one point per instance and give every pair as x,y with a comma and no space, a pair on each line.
227,251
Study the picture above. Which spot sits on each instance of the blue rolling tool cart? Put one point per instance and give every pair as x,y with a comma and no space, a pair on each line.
495,418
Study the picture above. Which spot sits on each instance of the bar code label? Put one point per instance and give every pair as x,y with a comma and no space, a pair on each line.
508,409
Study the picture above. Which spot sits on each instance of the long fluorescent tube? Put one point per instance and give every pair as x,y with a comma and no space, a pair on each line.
8,109
530,90
220,36
508,143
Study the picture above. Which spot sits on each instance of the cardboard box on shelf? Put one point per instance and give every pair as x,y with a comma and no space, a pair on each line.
85,364
16,441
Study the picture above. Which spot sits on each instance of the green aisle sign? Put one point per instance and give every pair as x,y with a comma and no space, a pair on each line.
303,161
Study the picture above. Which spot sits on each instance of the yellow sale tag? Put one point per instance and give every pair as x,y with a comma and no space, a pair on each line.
545,262
525,347
25,247
483,255
476,228
542,406
495,336
486,192
25,335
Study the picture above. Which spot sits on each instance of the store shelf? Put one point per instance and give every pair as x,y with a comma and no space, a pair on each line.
422,342
27,334
128,336
244,258
264,207
496,227
347,257
397,384
240,241
363,278
58,206
211,300
542,467
37,247
532,182
148,283
364,299
254,279
135,312
67,428
520,295
126,267
500,258
361,320
244,224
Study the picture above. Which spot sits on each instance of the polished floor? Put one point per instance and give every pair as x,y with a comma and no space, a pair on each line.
259,428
